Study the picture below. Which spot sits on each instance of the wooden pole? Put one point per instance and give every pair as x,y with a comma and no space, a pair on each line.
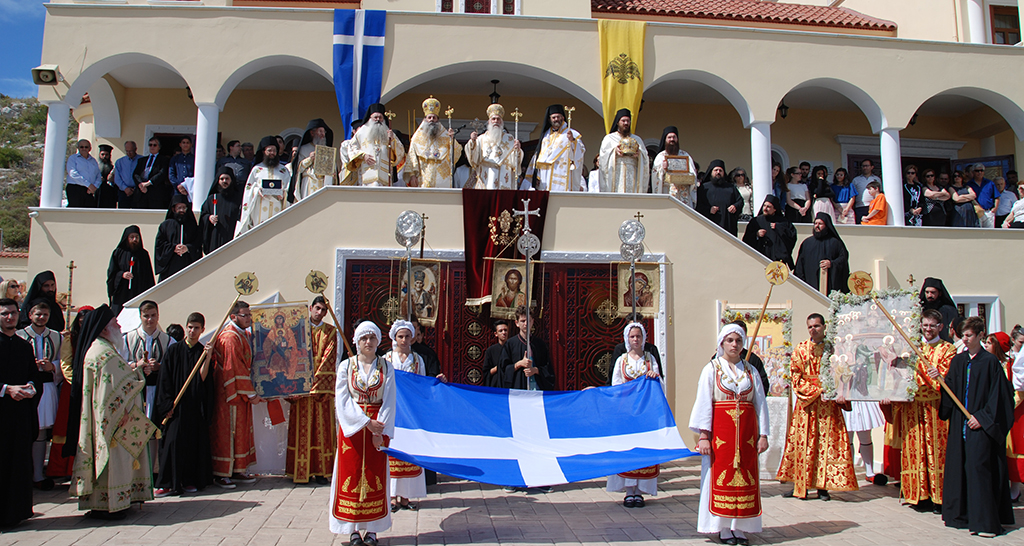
823,281
920,356
199,363
757,325
337,325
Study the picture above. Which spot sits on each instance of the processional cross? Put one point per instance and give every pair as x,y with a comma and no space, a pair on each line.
528,245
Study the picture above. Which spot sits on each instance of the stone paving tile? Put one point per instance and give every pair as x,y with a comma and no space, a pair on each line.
274,511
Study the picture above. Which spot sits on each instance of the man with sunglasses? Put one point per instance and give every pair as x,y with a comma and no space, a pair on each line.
988,196
152,185
83,177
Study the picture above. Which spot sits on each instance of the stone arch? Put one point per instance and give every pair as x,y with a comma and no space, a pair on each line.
719,84
106,110
263,63
1012,112
867,105
100,68
518,69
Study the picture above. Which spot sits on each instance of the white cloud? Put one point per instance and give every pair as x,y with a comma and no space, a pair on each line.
14,10
20,88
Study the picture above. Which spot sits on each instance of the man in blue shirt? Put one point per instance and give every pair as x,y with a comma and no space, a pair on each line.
988,195
124,169
183,166
235,161
83,177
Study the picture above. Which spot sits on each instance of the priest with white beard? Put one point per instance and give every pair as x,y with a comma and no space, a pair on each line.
558,163
430,150
494,155
304,179
623,159
660,178
260,202
367,156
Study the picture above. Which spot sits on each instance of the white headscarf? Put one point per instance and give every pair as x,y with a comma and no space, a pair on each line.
401,325
731,329
630,326
365,327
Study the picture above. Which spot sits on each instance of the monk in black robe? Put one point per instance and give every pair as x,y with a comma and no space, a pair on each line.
771,234
19,423
221,211
178,240
130,272
44,286
516,370
935,296
494,355
185,458
976,484
824,250
724,202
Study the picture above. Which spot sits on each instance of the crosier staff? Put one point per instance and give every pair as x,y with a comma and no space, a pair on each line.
316,282
390,115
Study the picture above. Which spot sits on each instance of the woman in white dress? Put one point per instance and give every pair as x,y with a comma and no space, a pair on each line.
635,363
729,413
365,406
407,480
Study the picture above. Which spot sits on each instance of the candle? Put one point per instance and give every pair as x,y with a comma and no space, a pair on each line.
181,236
131,267
215,204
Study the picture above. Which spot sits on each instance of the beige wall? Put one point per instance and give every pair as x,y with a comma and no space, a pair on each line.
14,268
916,19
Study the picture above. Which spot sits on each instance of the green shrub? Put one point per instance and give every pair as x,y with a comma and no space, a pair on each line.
9,157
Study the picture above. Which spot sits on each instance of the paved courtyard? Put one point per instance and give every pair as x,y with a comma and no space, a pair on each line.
273,511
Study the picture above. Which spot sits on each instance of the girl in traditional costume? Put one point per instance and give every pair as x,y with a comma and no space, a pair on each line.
634,364
365,404
731,417
407,480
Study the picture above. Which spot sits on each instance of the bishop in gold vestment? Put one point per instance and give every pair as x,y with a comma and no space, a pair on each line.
430,156
495,155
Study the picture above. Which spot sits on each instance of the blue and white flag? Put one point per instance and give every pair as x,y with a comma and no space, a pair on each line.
358,61
532,438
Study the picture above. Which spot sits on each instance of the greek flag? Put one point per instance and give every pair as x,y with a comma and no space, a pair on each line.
358,61
532,438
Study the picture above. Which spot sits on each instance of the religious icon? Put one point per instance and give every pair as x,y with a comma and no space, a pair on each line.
648,288
678,172
867,359
508,288
325,161
426,275
281,350
774,344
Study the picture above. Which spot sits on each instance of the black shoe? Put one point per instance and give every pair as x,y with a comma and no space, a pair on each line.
320,480
742,540
937,509
356,540
370,540
823,495
880,479
923,506
730,540
107,516
629,501
792,495
46,484
638,502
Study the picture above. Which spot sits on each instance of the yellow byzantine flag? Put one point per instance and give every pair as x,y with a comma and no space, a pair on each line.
622,67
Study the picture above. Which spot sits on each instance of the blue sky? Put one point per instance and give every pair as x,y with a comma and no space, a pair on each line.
21,40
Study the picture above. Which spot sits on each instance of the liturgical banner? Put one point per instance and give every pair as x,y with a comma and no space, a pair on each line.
492,230
622,67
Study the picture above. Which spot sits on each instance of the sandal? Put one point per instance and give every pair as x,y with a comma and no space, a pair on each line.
410,506
395,506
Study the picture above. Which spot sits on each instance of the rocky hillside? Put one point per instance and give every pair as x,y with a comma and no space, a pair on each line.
22,131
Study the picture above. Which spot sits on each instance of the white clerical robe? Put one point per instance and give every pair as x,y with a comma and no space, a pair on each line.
256,207
622,173
309,182
559,150
430,159
627,369
356,150
660,183
494,162
701,418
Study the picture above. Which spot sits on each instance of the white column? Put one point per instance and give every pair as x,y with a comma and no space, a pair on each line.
1020,16
760,161
976,22
892,175
206,152
54,151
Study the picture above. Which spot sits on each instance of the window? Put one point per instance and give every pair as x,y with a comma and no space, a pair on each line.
493,7
1005,25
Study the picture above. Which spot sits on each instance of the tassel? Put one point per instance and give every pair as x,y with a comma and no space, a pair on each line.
136,465
159,435
113,444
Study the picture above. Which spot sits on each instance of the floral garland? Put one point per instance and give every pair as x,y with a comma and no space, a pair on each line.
783,317
839,300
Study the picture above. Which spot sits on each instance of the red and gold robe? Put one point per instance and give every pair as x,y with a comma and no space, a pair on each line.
817,452
1015,438
311,422
231,436
924,434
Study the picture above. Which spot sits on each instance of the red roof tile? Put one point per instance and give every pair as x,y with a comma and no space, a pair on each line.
13,254
747,11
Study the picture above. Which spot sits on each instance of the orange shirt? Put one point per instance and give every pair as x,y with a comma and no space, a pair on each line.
879,204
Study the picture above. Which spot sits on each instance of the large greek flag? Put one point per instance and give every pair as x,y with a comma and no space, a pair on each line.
358,61
533,438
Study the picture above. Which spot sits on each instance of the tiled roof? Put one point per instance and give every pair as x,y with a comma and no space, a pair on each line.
747,11
12,254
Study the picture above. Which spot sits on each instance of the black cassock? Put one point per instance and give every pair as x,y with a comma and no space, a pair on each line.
778,242
492,359
976,486
119,289
228,211
170,233
431,364
723,197
515,350
829,247
19,426
185,457
35,291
